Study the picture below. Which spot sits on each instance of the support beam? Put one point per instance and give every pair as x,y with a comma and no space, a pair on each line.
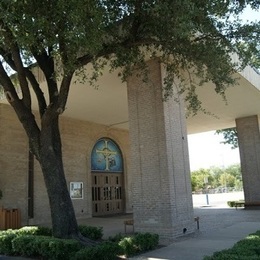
159,159
249,148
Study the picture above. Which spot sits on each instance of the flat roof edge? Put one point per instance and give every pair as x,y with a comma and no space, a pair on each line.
249,73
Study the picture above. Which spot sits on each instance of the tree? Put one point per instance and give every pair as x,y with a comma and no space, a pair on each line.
217,177
230,136
61,37
234,170
201,179
227,180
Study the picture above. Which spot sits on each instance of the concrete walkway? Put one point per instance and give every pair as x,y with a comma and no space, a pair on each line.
220,227
197,247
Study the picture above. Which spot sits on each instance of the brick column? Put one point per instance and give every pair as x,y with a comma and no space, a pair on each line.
159,159
249,148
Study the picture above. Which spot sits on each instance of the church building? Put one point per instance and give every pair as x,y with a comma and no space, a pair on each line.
125,151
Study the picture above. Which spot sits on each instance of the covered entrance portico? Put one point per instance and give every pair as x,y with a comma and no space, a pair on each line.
159,166
154,181
241,110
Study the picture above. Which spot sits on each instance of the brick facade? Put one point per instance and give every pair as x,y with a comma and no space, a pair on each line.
159,159
157,176
13,161
78,139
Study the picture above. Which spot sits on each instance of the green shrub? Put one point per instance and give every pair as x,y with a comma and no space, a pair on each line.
116,238
37,241
104,251
223,255
34,230
249,246
27,230
25,245
54,248
139,243
246,249
46,247
229,256
146,241
231,204
44,231
94,233
27,242
128,246
6,238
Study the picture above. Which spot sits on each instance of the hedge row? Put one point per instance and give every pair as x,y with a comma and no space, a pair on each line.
246,249
94,233
32,241
138,243
37,242
232,204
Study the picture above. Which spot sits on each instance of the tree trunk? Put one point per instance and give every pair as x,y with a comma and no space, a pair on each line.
64,222
62,212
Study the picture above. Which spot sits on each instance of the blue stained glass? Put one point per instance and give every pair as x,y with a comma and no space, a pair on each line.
106,157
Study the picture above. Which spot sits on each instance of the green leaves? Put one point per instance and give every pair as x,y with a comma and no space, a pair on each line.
217,177
187,36
230,136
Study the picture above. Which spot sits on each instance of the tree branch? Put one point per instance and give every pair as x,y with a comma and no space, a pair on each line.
63,49
24,114
136,22
21,76
84,60
8,85
35,85
46,64
64,91
15,51
38,92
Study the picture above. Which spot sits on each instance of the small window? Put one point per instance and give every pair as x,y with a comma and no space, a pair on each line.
76,190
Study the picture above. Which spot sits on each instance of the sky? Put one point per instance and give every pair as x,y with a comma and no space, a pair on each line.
250,15
206,150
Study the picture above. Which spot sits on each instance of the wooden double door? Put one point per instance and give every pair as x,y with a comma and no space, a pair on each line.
107,194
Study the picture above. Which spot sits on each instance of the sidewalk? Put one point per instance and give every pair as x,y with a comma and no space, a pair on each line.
197,247
191,248
220,228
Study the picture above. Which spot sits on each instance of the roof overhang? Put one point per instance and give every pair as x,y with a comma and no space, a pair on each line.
107,104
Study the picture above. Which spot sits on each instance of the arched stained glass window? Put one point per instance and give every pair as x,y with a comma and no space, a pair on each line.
106,157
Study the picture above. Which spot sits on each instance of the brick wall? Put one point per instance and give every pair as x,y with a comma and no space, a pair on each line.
78,139
13,161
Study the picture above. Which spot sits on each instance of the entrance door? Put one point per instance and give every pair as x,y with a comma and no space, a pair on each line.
107,193
107,178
